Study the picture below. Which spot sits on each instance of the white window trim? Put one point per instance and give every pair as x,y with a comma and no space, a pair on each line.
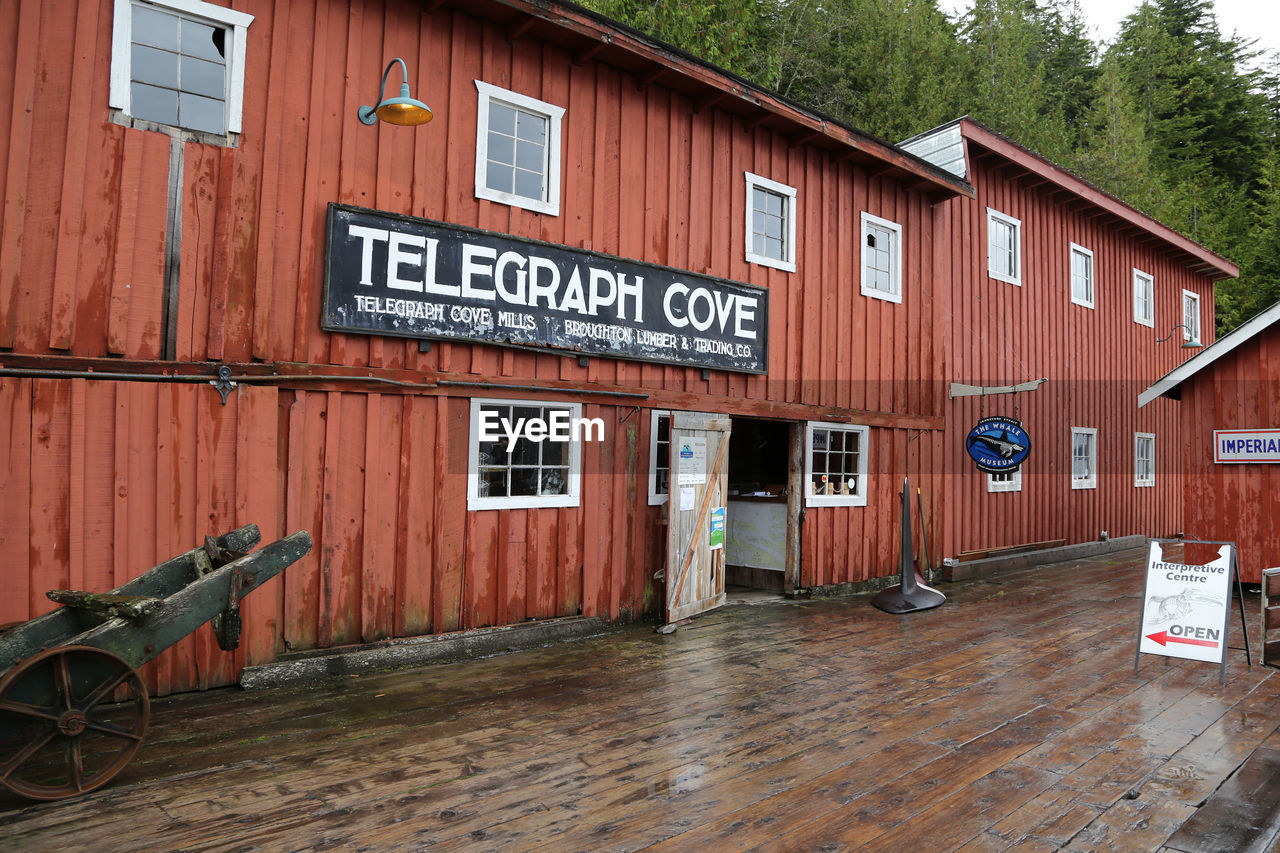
1016,278
1076,248
1147,280
656,499
122,53
1090,482
1150,481
551,204
896,294
477,502
1186,333
861,474
1012,485
788,263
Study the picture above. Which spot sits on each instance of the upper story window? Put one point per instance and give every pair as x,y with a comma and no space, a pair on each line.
518,150
1004,247
179,63
659,456
531,471
881,258
1006,481
771,223
1084,458
1081,276
1144,310
1191,317
835,465
1144,459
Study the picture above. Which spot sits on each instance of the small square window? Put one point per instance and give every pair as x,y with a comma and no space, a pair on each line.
1005,481
1081,276
529,472
881,258
659,457
1190,317
771,223
1143,302
518,150
1084,458
179,63
836,465
1004,247
1144,459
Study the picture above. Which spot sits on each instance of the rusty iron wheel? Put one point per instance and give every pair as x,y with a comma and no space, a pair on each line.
71,718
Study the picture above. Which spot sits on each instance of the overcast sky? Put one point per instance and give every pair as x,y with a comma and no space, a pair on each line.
1248,18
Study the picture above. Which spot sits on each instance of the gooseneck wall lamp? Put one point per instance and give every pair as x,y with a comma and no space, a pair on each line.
404,110
1187,344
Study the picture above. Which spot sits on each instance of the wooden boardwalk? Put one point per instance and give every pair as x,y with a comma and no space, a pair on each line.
1008,719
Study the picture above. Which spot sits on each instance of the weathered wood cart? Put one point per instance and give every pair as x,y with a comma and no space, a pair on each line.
73,709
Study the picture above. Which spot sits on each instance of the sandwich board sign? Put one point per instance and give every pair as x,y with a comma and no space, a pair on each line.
1186,608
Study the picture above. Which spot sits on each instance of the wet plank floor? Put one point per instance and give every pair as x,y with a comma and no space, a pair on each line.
1008,719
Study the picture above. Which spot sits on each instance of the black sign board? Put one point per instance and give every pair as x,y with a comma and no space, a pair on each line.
397,275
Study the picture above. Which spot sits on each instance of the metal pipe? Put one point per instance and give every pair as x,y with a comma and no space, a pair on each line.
196,378
455,383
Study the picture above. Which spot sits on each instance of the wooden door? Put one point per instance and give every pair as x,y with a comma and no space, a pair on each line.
699,475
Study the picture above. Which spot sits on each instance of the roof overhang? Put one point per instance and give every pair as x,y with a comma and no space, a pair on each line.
588,36
1199,259
1170,384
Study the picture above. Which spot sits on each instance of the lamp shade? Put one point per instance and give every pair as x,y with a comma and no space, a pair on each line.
405,110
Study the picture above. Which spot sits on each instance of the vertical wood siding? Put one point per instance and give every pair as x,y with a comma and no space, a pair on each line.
1097,361
1234,503
103,479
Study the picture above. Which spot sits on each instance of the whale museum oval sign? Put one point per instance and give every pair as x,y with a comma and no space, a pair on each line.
998,445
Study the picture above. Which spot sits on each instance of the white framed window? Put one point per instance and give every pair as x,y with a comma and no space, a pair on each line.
1144,310
1006,481
659,456
525,473
881,258
771,223
1081,276
518,150
1144,459
179,63
1084,458
1004,247
835,464
1191,317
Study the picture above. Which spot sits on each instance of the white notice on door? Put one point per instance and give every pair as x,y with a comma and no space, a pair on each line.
686,499
693,460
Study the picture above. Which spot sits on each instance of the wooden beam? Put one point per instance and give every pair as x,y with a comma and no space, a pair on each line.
514,32
649,79
761,118
795,140
709,100
585,54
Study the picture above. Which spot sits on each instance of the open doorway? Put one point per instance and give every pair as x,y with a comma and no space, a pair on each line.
760,518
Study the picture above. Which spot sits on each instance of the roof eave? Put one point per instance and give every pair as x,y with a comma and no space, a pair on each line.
1204,261
1169,385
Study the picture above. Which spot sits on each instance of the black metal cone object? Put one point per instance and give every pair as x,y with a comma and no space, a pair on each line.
910,595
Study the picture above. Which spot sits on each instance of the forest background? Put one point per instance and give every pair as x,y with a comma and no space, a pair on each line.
1173,117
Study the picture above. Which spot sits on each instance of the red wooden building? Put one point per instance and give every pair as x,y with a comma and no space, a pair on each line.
593,226
1230,414
1057,280
756,312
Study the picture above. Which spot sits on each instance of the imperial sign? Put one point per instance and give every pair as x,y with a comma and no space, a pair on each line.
998,445
1246,445
397,275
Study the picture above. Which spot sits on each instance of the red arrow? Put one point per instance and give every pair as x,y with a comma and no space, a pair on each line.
1163,638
